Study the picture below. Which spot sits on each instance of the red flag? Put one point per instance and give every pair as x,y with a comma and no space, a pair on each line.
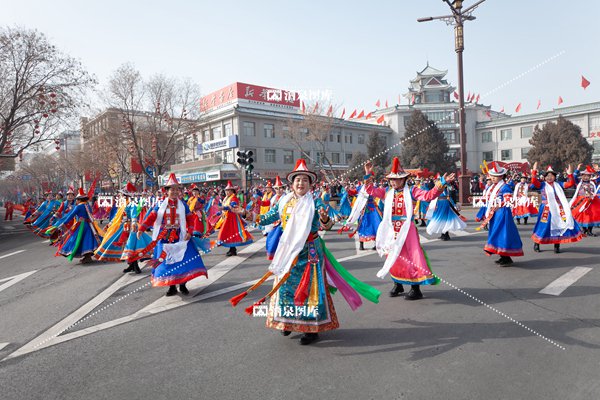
560,100
380,119
378,104
315,108
343,113
455,95
468,96
303,108
539,104
362,114
488,113
330,110
502,109
518,108
353,114
92,189
477,98
584,82
386,104
412,100
369,115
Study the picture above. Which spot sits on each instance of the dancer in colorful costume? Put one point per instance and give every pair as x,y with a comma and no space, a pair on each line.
305,271
480,216
345,207
275,234
232,228
366,214
555,224
524,208
585,204
397,236
84,235
42,222
503,236
326,198
444,216
177,256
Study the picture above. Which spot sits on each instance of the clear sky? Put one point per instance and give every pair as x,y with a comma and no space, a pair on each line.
361,51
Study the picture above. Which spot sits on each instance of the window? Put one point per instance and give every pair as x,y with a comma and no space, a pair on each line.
595,122
288,156
506,134
229,156
505,155
228,130
304,130
524,152
348,138
361,138
488,156
335,158
269,156
348,158
320,157
248,128
486,137
216,133
596,144
269,130
450,136
206,136
526,131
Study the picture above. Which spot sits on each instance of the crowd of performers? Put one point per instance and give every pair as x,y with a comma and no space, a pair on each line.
171,229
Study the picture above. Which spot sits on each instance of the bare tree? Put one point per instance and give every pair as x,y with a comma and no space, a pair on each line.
41,89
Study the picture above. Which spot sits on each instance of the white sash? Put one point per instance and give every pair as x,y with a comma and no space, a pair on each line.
577,191
359,204
160,215
386,242
294,236
493,194
558,226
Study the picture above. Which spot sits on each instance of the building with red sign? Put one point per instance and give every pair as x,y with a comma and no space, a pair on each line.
269,122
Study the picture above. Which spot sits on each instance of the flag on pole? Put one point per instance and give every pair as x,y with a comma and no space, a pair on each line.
488,113
560,100
315,108
378,104
477,98
362,114
380,119
455,95
353,114
518,108
369,115
584,82
330,110
539,104
502,109
303,108
343,113
386,104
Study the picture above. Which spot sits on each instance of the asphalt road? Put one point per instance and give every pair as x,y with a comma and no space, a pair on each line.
69,331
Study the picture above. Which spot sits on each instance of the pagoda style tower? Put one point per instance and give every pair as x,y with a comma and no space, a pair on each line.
429,87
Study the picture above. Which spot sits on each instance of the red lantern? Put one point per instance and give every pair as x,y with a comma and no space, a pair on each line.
52,94
53,110
45,115
57,148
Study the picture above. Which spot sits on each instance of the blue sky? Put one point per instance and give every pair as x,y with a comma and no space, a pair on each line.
361,51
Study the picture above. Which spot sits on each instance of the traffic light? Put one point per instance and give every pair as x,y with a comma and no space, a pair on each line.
245,159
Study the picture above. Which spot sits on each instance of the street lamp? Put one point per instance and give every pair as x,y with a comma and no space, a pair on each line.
457,19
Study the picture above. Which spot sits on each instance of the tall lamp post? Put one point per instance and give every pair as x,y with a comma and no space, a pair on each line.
457,18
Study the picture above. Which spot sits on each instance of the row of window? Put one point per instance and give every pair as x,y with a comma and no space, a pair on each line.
505,155
249,129
270,157
506,134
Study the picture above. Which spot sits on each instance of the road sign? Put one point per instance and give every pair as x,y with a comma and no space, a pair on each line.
150,170
149,182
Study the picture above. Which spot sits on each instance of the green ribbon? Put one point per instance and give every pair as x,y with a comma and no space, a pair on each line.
77,241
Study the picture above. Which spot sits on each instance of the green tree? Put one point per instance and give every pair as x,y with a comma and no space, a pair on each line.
378,154
559,144
425,146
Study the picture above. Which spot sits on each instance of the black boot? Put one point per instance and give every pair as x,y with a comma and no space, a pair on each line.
130,268
536,247
308,338
557,248
87,259
232,252
136,268
423,222
362,246
415,293
396,290
286,333
518,221
525,220
172,291
183,289
505,261
590,233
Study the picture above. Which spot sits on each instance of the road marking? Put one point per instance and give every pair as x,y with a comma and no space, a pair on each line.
3,345
8,227
12,254
558,286
14,279
50,337
460,233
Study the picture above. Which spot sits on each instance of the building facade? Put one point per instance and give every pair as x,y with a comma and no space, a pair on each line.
269,122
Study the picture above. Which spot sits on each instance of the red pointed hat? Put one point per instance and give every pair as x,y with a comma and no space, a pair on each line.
278,182
172,181
71,190
549,170
194,187
497,170
302,169
397,171
229,186
81,194
588,171
269,184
